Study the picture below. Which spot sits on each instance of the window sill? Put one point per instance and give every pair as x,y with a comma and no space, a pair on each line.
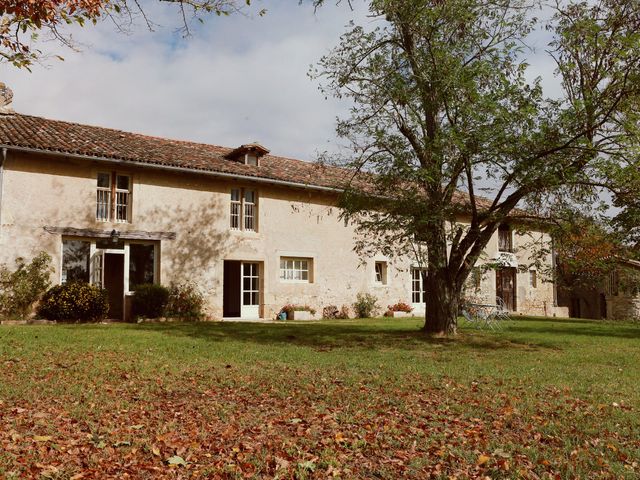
245,233
298,282
114,222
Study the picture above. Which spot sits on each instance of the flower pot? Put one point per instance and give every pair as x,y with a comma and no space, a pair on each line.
400,314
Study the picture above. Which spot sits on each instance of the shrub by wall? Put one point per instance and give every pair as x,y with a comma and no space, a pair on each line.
22,287
74,301
150,301
366,305
185,302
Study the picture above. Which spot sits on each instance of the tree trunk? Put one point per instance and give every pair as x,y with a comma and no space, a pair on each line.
442,292
442,304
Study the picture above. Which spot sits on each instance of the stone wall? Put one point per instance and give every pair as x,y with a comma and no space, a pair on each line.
622,307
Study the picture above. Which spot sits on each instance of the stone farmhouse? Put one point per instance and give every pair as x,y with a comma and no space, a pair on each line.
253,230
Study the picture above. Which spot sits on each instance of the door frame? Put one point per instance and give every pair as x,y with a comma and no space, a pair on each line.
513,272
421,306
250,312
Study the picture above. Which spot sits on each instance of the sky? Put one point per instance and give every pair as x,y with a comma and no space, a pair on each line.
235,80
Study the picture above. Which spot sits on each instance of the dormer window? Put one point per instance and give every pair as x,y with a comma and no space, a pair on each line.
249,154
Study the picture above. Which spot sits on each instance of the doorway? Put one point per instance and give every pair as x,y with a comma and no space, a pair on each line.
241,290
506,287
114,284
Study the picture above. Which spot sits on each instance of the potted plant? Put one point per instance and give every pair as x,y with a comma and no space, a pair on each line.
400,309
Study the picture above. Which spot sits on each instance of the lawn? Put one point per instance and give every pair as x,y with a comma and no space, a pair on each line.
340,399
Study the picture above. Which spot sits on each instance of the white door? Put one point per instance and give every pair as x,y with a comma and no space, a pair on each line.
250,291
418,293
97,268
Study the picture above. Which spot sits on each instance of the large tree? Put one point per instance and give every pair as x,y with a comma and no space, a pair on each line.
444,113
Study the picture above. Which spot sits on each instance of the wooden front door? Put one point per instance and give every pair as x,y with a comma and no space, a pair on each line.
114,284
506,287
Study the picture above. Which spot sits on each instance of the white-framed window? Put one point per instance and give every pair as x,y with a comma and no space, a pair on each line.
418,287
243,210
113,197
250,210
236,207
533,279
295,269
381,273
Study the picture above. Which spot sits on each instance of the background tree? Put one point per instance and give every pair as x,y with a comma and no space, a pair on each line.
22,21
442,111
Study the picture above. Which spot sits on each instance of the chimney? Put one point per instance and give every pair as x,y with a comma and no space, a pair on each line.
6,95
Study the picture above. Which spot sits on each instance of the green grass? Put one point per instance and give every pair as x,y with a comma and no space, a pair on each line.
345,399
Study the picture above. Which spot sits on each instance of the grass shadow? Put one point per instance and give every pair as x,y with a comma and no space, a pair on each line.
326,336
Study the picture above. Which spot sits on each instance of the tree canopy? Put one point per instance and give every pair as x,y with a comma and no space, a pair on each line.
445,112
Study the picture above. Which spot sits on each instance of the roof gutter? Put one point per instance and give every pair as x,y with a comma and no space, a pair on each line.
173,169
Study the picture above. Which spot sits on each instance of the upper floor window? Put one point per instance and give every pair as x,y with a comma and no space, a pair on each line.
295,269
381,273
243,209
113,197
533,279
505,241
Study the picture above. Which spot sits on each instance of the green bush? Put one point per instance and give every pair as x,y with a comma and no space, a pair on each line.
150,301
185,301
22,287
74,301
366,305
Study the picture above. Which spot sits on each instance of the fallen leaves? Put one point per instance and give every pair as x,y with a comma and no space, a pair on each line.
261,423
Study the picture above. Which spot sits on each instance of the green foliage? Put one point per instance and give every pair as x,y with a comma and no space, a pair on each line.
22,287
77,301
185,302
366,305
150,300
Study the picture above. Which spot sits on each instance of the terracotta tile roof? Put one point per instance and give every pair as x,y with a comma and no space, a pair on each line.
56,136
46,135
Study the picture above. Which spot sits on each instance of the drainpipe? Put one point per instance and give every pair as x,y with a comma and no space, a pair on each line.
3,158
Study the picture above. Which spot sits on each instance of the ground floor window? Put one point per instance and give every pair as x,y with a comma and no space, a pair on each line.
418,287
381,273
76,256
295,269
141,264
